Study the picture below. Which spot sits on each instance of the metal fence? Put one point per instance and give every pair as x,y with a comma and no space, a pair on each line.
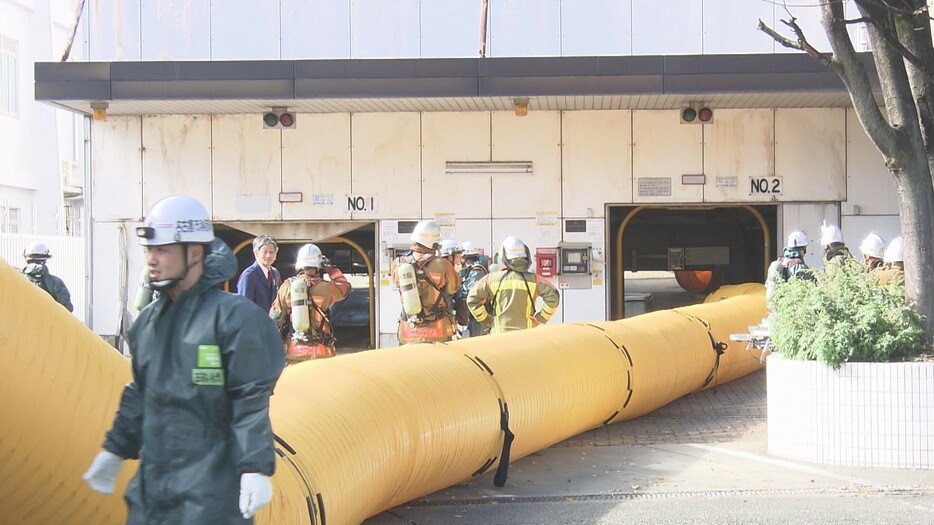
67,262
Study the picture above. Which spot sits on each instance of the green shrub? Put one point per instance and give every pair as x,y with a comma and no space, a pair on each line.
843,315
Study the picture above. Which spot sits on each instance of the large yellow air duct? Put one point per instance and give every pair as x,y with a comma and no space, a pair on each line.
361,433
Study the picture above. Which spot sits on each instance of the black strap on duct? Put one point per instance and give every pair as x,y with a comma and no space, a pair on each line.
499,479
718,349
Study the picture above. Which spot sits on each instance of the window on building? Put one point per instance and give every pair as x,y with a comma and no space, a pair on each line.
9,219
72,221
9,95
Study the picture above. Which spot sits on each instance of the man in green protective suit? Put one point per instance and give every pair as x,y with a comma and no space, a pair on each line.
37,271
204,365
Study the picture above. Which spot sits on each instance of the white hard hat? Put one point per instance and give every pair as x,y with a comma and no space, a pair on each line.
895,251
176,219
427,233
873,246
468,248
448,247
515,254
830,233
37,250
309,256
797,239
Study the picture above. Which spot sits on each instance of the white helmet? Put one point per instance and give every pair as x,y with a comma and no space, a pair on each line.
515,254
36,252
797,239
448,247
830,233
427,233
468,248
894,253
309,256
176,219
873,246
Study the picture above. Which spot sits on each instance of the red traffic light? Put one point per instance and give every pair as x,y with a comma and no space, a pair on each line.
696,115
279,118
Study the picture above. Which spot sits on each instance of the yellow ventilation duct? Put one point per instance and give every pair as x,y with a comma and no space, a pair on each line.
361,433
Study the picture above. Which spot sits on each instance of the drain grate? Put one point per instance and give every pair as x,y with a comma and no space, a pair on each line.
627,496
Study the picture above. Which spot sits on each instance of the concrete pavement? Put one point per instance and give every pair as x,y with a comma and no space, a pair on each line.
701,459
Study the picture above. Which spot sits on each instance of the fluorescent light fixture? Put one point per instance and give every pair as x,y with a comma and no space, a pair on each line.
523,167
290,196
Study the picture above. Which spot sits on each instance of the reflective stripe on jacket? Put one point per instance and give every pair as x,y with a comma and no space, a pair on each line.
513,295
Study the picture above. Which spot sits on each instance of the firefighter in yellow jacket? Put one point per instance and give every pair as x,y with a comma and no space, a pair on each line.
509,295
426,284
302,304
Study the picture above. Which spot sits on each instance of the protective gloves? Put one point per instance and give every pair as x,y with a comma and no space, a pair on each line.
102,475
255,493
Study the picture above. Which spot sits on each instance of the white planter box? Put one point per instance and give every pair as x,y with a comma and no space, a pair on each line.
864,414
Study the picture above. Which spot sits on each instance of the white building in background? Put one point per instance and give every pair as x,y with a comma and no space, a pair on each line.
41,147
397,120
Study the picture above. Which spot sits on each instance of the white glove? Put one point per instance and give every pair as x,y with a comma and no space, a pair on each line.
102,475
255,493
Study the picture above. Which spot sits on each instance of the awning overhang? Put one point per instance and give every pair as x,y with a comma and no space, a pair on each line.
442,84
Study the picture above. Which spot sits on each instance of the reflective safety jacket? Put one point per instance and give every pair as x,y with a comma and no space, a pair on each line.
40,276
512,296
321,294
437,283
197,410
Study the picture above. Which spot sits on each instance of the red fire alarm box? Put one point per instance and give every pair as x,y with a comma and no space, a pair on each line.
546,261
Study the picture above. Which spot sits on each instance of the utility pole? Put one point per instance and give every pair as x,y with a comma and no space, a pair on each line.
484,9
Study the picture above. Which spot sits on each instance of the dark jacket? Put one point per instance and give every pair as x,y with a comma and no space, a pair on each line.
257,287
39,274
197,411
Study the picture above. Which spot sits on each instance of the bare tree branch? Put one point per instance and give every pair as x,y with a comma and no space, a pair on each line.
801,44
892,38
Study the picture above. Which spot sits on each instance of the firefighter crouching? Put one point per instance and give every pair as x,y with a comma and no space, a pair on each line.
301,307
426,285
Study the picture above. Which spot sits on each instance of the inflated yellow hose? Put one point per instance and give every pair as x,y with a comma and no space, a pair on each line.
60,385
362,433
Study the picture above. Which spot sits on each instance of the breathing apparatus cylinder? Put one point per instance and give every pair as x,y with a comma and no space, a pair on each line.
144,292
298,292
408,286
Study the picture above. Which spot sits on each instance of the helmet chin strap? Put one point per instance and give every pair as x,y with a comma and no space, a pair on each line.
168,284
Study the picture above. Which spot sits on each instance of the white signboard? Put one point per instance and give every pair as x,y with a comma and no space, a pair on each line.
765,185
358,203
655,186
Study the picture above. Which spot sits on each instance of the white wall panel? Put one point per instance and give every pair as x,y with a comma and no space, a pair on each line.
108,263
316,162
386,158
524,28
450,28
378,31
479,232
738,145
660,31
596,161
808,218
455,137
529,231
177,158
245,30
870,188
665,148
596,27
810,153
114,30
730,26
247,168
116,169
319,29
175,30
534,137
